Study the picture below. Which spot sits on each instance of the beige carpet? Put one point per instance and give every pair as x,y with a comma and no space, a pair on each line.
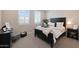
33,42
67,43
30,42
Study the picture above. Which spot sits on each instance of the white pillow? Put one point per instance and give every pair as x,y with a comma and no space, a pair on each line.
59,24
51,24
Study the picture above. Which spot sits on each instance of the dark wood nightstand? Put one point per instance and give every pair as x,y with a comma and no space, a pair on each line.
72,33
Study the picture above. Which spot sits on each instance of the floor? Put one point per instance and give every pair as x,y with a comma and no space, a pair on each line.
30,42
33,42
65,42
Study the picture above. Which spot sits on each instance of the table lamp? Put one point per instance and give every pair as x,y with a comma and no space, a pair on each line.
69,24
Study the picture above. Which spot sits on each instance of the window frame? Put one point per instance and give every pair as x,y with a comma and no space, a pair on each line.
25,22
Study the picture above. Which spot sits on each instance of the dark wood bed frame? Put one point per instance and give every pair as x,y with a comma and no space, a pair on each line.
49,39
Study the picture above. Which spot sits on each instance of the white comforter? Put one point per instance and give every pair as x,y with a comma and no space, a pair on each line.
57,31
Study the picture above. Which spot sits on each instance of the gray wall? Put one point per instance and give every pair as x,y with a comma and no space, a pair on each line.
11,16
0,19
72,15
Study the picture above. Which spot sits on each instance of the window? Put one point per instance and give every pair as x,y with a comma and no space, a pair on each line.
37,17
23,17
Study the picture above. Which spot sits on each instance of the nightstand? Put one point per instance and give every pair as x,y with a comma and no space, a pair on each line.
72,33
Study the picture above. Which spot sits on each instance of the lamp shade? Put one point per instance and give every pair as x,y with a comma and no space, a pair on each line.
69,22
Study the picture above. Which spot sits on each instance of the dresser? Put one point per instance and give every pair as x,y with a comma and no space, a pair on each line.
5,39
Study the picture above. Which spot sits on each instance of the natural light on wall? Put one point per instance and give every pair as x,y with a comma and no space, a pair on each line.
37,17
24,17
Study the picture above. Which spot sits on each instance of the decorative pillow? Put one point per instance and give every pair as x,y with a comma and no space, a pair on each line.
59,24
51,24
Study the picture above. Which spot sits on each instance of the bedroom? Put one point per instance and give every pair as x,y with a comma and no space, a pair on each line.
30,41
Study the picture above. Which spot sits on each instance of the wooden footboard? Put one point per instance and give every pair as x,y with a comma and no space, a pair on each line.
50,38
42,36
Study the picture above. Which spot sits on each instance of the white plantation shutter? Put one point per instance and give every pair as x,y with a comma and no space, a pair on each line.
24,17
37,17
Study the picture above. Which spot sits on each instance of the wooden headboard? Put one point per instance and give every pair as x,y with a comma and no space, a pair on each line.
61,19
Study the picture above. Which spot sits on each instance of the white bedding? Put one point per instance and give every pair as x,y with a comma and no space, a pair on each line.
44,30
57,31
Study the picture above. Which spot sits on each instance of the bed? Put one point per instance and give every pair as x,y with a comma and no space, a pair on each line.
51,34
